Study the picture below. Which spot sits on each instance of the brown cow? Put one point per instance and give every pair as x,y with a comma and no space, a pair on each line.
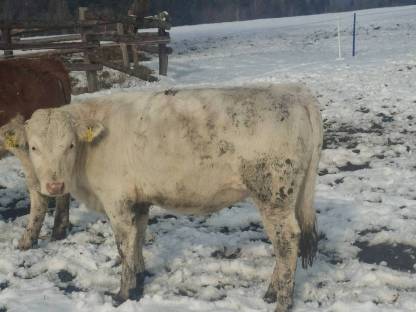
25,86
29,84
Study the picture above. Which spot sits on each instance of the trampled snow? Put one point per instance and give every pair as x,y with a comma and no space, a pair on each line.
366,195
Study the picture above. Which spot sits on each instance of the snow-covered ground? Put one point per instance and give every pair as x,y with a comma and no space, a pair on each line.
366,195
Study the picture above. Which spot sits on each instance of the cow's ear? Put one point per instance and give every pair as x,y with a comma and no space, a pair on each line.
89,130
12,134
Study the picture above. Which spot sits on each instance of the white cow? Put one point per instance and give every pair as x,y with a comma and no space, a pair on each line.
193,151
12,139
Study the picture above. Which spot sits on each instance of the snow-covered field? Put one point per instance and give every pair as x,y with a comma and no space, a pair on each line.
366,196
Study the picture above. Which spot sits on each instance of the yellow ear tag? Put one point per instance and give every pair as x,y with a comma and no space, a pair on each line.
10,141
89,135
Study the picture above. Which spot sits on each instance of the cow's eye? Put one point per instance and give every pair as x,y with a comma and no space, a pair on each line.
72,145
33,148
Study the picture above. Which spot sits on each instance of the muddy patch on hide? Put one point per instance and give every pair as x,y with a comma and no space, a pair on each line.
245,113
191,133
225,147
171,92
257,177
281,107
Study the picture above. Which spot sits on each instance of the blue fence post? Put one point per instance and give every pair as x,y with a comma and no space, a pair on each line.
353,34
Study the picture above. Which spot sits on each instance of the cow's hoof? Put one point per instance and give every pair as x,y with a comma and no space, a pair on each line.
284,304
117,299
271,295
26,242
285,308
58,234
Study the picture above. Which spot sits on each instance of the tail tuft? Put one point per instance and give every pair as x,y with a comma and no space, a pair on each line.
308,246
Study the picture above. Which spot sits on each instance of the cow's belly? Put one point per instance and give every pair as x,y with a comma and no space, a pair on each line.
201,203
199,190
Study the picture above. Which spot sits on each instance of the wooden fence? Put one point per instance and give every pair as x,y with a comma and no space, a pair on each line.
90,38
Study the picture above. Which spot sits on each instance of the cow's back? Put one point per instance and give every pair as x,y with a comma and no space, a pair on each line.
169,144
30,84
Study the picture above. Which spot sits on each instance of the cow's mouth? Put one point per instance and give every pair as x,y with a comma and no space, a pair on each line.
55,188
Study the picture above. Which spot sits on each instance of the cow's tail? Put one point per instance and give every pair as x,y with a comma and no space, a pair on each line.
305,211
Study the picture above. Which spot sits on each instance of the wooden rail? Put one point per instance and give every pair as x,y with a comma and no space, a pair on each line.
138,39
48,39
88,38
83,67
45,46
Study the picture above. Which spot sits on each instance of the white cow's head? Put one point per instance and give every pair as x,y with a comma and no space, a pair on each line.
54,140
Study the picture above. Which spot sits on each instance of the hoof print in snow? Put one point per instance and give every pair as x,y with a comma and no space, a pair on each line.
374,231
376,128
352,145
363,110
254,227
385,118
398,257
226,253
185,292
352,167
69,289
225,230
4,285
12,213
339,181
323,172
157,219
379,156
331,257
65,276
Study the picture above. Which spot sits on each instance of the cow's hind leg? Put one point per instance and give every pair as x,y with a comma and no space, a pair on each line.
61,222
274,185
284,232
129,222
38,207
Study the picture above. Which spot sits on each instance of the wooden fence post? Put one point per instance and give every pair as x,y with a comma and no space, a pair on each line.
163,55
7,39
123,46
133,47
92,79
353,34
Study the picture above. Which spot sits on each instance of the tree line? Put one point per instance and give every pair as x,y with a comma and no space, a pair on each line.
186,12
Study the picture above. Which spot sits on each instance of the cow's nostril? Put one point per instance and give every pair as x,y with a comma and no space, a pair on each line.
55,188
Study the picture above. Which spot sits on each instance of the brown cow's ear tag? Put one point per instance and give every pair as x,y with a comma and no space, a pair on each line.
10,140
89,135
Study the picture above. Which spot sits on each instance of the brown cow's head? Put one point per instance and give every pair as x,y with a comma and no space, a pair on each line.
54,139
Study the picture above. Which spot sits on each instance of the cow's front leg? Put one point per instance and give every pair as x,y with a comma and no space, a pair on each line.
38,207
129,222
61,222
